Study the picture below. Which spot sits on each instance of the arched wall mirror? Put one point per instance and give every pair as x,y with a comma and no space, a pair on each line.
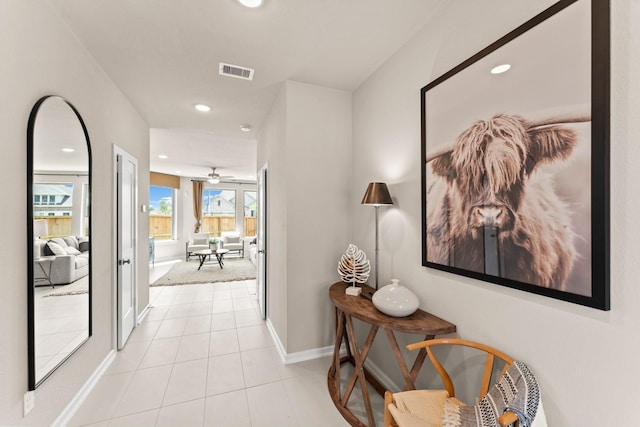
59,226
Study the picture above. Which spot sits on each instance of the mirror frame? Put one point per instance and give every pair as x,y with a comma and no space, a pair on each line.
30,239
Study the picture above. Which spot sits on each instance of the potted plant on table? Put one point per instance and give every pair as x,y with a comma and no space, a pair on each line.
214,244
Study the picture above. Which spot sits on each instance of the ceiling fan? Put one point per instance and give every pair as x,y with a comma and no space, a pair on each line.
215,178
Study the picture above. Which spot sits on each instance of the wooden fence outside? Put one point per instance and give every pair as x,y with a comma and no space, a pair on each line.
160,226
250,228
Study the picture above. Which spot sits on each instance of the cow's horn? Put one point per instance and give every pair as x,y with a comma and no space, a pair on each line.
438,153
569,118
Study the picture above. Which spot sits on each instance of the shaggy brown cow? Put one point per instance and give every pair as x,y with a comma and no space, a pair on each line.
488,181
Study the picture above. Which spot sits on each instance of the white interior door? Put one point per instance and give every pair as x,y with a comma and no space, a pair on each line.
126,246
261,281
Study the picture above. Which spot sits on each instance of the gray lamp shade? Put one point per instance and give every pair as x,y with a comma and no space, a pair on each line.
377,194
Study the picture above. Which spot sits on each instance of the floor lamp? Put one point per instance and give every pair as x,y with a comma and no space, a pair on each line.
377,194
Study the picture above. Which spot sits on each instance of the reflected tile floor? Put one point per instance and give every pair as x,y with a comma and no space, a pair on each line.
61,325
204,357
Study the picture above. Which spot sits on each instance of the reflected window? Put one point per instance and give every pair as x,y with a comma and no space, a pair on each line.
54,202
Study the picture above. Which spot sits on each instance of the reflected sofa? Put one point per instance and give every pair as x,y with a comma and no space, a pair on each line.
61,260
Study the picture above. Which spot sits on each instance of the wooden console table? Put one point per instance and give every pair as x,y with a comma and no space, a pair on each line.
347,308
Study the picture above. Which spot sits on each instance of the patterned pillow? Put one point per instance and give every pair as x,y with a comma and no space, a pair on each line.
517,391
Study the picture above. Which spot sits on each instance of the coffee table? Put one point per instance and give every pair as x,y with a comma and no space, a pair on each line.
219,254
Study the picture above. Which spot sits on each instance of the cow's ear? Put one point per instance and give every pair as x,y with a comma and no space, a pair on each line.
550,144
441,166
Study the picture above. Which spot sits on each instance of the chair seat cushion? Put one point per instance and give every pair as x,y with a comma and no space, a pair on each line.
194,248
232,246
420,408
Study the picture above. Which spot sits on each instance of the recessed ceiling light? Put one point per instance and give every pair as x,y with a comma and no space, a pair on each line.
250,3
500,69
202,107
68,150
245,127
163,156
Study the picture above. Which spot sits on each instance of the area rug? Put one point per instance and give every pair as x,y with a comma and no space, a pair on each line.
184,273
80,286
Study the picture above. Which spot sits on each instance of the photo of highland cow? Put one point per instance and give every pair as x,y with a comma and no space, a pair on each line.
514,162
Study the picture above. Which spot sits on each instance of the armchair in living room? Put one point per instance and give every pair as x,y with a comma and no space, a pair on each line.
232,241
196,242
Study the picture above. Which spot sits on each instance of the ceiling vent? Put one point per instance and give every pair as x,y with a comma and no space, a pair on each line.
236,71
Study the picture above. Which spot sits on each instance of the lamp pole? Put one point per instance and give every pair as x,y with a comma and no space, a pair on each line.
376,269
377,194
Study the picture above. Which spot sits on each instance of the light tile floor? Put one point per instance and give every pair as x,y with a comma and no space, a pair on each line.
204,357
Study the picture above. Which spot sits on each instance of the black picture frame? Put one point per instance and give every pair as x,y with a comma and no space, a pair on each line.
515,166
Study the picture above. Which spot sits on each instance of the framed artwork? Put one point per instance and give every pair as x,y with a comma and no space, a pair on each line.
515,159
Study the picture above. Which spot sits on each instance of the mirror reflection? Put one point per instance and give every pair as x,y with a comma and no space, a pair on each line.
60,275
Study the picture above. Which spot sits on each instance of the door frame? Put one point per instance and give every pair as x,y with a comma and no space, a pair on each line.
262,244
118,151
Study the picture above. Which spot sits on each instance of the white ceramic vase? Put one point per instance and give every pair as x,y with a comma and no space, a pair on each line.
395,300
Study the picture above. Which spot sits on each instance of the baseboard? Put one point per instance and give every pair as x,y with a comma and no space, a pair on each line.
144,313
70,410
276,340
300,356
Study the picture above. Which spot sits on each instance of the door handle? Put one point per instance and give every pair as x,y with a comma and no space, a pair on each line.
261,251
124,261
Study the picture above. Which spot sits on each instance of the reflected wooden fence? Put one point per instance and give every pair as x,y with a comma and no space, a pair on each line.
57,226
160,225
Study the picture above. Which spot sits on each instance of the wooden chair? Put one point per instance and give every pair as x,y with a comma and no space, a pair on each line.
506,419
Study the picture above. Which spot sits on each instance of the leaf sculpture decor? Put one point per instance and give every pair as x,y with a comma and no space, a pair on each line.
354,268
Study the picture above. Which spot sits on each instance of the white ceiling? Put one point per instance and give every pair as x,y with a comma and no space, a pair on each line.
164,56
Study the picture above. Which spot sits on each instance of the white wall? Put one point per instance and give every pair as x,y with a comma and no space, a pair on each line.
584,358
318,168
272,150
41,57
306,140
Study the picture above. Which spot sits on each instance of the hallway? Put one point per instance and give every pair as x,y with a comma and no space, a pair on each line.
203,357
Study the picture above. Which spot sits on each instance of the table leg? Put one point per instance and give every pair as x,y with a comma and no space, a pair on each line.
358,373
417,364
202,259
408,381
220,258
47,275
336,348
